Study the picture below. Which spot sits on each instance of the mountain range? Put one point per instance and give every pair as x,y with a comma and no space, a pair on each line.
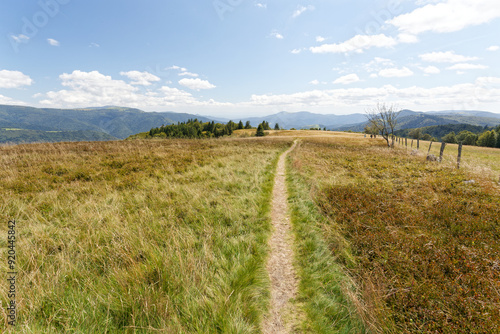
106,123
409,119
28,124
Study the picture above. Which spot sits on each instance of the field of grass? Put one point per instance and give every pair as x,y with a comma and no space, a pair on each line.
480,159
139,236
171,235
420,244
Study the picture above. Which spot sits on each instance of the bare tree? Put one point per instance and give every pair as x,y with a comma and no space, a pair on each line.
384,118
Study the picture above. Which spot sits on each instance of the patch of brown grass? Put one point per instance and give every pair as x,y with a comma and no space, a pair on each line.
421,244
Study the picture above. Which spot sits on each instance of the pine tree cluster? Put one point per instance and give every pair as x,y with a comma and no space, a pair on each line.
195,129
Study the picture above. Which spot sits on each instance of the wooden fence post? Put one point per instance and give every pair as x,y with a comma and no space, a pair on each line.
406,142
412,143
418,143
443,144
429,148
459,154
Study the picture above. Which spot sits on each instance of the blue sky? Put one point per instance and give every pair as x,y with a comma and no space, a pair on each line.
238,58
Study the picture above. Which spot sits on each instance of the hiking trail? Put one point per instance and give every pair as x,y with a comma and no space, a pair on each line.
284,283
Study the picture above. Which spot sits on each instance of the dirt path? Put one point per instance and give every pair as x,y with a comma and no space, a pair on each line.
281,272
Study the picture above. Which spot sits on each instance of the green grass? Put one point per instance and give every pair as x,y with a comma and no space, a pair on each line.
139,236
326,292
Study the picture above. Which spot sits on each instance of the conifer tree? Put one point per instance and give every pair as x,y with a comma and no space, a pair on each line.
240,125
276,126
260,131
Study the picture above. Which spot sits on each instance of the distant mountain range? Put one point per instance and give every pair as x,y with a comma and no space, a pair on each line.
306,120
27,124
106,123
409,119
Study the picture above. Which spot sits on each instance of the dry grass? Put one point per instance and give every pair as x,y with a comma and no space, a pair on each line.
136,236
171,235
420,243
480,159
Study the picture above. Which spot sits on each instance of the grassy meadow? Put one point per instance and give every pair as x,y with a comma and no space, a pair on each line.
171,236
139,236
415,246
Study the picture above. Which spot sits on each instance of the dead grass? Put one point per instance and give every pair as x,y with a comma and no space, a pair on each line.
420,243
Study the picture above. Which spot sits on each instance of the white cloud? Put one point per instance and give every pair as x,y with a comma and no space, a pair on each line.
296,51
300,10
196,84
395,72
175,67
357,44
407,38
445,57
90,87
95,89
53,42
140,78
493,48
188,74
94,45
317,82
431,70
447,16
377,64
276,35
20,38
382,60
460,96
320,39
466,66
9,101
14,79
425,2
174,95
84,89
261,5
347,79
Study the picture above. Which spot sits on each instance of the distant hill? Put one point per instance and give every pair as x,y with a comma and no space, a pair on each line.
112,122
17,136
100,123
409,119
476,113
306,120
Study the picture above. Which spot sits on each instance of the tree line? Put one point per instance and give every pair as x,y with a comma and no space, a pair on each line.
193,128
472,135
